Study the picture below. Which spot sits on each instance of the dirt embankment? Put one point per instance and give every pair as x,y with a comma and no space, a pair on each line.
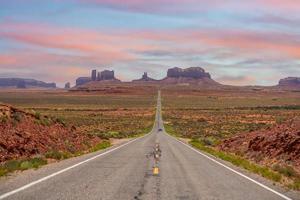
23,135
277,145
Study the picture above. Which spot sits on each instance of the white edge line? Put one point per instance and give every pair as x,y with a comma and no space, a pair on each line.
234,171
3,196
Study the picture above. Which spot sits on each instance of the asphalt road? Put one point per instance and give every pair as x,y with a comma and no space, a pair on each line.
156,166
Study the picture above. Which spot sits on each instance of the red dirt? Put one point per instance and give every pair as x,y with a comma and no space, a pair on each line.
22,135
279,144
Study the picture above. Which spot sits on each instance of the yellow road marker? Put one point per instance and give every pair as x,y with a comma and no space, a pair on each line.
155,171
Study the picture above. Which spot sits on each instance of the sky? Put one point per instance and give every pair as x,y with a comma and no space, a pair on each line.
238,42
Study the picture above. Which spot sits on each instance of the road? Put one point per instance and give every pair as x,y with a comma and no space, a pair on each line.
156,166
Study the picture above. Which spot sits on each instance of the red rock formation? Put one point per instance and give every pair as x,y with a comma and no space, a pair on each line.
145,78
280,143
292,82
25,135
192,72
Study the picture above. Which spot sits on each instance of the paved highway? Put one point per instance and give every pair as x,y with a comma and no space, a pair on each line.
156,166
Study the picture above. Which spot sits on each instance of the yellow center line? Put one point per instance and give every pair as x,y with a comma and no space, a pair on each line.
155,170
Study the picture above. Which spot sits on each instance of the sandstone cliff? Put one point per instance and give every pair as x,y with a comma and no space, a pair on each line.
290,82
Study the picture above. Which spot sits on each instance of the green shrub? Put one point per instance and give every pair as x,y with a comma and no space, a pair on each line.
37,115
26,165
37,162
3,119
16,116
3,171
60,121
295,185
54,155
287,171
58,155
103,145
12,165
45,122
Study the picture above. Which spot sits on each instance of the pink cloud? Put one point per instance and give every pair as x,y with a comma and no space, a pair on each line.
106,46
175,6
80,49
237,80
122,46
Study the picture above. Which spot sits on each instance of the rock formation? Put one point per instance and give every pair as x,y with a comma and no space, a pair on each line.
82,80
106,75
145,78
280,143
25,135
192,75
293,82
24,83
21,84
94,75
68,85
192,72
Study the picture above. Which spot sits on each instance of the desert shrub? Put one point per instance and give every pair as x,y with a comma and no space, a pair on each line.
295,185
26,165
3,119
58,155
37,115
37,162
61,121
12,165
3,171
45,122
287,171
107,135
103,145
17,116
209,141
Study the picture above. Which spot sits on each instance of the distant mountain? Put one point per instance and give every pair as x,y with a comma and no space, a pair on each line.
24,83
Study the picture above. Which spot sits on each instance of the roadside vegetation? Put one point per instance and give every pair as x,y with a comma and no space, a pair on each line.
106,115
37,162
99,115
207,118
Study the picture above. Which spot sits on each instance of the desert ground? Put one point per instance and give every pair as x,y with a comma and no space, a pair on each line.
261,127
219,122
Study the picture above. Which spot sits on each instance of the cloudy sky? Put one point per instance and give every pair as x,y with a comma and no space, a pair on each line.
239,42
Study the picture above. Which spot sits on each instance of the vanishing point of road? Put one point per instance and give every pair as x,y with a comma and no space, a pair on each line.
156,166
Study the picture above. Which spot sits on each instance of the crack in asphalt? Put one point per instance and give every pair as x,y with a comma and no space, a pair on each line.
153,157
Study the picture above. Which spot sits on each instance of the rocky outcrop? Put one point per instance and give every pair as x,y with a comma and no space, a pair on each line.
106,75
280,143
68,85
293,82
25,135
192,72
24,83
190,76
82,80
94,75
145,78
